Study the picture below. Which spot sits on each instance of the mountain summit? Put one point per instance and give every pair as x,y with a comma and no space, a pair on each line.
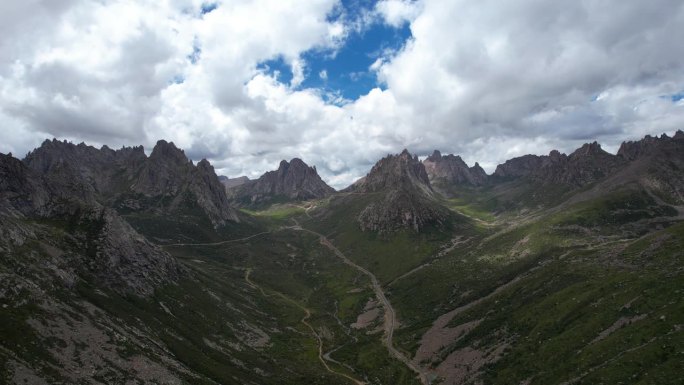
451,169
405,198
395,172
293,180
129,181
584,166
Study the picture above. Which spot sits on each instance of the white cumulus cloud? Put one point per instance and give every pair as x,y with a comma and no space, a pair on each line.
488,80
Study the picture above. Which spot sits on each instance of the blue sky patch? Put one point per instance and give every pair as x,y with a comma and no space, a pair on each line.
177,79
278,68
207,7
348,71
674,97
345,73
677,97
196,52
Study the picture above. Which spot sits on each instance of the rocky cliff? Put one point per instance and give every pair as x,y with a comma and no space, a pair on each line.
450,169
405,198
293,180
233,182
584,166
164,182
395,172
82,238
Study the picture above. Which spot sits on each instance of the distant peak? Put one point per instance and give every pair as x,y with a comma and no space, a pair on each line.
168,150
436,155
396,172
589,149
298,163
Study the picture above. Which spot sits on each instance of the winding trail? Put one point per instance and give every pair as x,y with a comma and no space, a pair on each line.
217,243
390,317
307,314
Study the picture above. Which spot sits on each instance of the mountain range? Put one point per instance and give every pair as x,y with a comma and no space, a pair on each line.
119,267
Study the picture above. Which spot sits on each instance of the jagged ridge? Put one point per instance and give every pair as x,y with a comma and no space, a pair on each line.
452,169
100,245
129,180
293,180
407,198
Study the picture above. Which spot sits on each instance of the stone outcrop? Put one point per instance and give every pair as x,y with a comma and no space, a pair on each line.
165,182
405,198
233,182
584,166
292,181
395,172
100,245
451,169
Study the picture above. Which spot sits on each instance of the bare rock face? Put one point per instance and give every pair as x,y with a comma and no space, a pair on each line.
395,172
452,169
20,190
100,169
656,164
233,182
99,244
164,173
211,194
127,179
122,259
293,180
649,146
584,166
401,210
406,198
522,166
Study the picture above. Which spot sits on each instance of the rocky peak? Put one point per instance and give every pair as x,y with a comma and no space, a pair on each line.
518,167
451,169
19,188
404,196
102,246
210,194
402,171
167,151
293,180
233,182
584,166
205,166
93,167
632,150
435,157
166,171
128,180
589,149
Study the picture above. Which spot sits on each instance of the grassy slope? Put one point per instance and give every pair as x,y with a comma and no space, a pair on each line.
579,270
567,261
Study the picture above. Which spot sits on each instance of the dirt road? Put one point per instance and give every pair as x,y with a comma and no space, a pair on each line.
307,315
390,321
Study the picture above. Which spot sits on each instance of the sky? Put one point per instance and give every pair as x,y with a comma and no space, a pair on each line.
340,84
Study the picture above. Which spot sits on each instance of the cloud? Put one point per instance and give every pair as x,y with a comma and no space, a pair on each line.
486,80
398,12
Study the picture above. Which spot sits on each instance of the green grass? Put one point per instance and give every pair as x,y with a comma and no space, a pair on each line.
277,212
573,271
466,208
